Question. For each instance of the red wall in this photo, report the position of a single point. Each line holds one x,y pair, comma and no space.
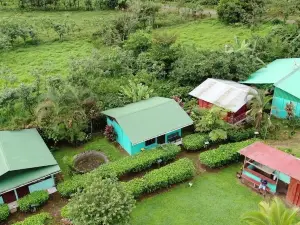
231,117
293,194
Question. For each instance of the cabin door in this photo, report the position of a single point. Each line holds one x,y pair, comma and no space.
22,191
296,200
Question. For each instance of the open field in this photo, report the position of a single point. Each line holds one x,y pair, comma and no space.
215,198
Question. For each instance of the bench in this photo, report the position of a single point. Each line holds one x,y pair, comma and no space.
254,182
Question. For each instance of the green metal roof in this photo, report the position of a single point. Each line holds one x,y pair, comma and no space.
150,118
15,179
290,84
25,149
274,71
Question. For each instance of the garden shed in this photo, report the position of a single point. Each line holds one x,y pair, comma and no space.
284,75
148,123
229,95
280,169
26,164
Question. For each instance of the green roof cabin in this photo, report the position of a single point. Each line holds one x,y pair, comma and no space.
284,74
148,123
26,165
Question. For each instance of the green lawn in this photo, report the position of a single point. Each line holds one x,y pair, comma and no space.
214,199
99,143
210,33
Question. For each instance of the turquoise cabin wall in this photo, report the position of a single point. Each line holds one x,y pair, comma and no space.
283,177
172,132
43,185
278,107
122,138
1,200
271,186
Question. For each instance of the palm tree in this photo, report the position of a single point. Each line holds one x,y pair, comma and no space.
258,103
273,213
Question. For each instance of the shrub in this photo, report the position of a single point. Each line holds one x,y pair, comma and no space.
4,212
230,11
194,142
110,133
102,202
136,163
38,219
35,199
176,172
235,135
65,212
224,154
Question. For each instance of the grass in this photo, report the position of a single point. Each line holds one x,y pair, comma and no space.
99,143
211,34
214,198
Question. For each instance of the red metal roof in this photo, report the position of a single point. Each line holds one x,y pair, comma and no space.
273,158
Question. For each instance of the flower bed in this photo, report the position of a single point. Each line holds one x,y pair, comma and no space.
38,219
194,142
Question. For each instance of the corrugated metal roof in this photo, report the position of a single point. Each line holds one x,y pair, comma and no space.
23,149
19,178
150,118
274,71
223,93
273,158
290,83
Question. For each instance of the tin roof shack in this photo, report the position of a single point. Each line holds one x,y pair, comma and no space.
226,94
148,123
281,170
26,164
284,75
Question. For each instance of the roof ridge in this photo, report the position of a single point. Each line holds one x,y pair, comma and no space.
130,113
240,89
3,155
287,76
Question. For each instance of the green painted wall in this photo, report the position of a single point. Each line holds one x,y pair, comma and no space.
271,186
1,200
283,177
43,185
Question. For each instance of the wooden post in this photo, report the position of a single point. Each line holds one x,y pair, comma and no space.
16,194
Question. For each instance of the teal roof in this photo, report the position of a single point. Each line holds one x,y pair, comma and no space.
15,179
290,83
22,150
274,71
150,118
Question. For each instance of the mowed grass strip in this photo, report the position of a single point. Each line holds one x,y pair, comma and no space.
215,198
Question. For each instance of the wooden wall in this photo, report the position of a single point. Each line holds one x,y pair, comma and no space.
293,194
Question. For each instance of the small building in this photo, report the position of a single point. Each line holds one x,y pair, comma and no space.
148,123
284,75
281,170
230,95
26,164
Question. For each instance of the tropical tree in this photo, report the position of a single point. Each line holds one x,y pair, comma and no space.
134,92
258,104
273,213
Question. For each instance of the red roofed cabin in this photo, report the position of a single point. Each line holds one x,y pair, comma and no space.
226,94
281,170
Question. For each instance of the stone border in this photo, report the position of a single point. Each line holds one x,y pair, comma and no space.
88,153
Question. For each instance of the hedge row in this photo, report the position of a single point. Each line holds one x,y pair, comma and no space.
33,200
235,135
176,172
224,154
121,167
38,219
194,142
4,212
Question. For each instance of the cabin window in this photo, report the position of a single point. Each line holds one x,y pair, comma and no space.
150,142
174,137
161,139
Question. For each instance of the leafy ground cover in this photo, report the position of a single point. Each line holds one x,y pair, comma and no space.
99,143
215,198
211,34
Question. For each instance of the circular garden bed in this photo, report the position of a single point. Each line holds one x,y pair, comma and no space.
89,160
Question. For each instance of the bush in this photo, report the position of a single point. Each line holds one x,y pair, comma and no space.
194,142
224,154
230,11
136,163
38,219
4,212
235,135
176,172
65,212
35,199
